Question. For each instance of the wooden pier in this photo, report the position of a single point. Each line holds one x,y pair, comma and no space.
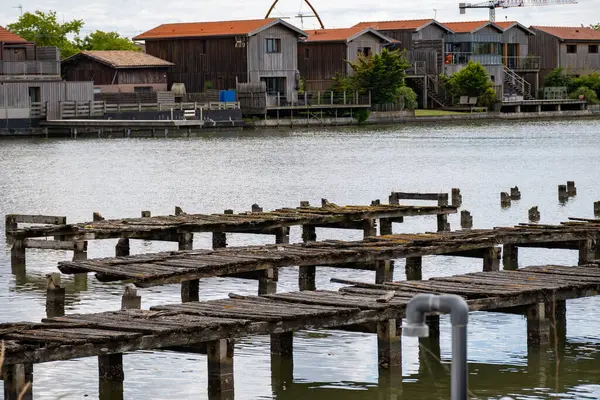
539,293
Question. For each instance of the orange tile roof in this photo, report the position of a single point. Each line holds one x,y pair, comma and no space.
570,32
200,29
333,35
505,24
8,37
410,24
466,26
126,58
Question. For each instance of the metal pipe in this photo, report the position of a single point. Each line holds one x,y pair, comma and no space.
458,309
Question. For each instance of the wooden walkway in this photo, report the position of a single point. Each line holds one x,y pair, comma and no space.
537,292
371,253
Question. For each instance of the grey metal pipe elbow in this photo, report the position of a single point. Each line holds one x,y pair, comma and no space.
426,303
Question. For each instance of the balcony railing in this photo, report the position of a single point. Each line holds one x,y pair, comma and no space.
30,68
522,63
460,58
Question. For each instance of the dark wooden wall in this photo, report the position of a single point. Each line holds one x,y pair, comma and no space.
86,69
546,46
214,59
325,60
405,37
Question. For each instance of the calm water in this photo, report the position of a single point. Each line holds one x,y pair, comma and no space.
280,168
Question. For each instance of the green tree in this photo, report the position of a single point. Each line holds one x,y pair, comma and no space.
558,77
473,81
45,30
588,94
100,40
595,26
591,81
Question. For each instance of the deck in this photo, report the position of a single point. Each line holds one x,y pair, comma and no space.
537,292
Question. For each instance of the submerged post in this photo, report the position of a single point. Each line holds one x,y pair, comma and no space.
416,311
515,193
491,259
307,274
510,257
466,219
562,194
571,189
414,268
534,214
504,200
597,209
456,197
55,296
130,298
122,248
18,378
96,216
220,367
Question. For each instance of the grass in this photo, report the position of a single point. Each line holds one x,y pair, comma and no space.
27,385
435,113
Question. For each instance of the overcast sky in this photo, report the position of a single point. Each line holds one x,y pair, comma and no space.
132,17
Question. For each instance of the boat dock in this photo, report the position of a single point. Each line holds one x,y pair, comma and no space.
539,293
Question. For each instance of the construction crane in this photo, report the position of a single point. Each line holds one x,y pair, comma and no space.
493,4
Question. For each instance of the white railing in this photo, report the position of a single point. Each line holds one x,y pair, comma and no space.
512,78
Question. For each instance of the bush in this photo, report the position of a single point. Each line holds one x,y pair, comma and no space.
558,77
473,81
362,115
409,96
591,81
588,94
488,98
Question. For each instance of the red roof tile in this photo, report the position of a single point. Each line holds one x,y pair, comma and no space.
9,37
466,26
200,29
411,24
333,35
570,32
125,58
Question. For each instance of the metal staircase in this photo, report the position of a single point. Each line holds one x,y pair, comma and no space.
517,84
432,86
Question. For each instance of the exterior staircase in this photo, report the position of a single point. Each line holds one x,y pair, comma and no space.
432,93
516,84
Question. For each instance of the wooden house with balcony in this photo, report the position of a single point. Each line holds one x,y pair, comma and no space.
221,54
576,49
30,83
325,53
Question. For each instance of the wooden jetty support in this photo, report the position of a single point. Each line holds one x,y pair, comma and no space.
539,293
372,253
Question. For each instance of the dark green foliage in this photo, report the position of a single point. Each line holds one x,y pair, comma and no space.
558,77
588,94
362,115
473,81
100,40
410,97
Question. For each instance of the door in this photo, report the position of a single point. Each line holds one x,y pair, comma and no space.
34,95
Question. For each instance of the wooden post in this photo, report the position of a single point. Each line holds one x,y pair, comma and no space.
219,240
586,251
80,250
309,233
190,291
17,255
384,271
491,259
282,235
385,226
556,314
111,376
282,344
389,347
504,200
369,228
510,257
97,217
220,367
562,193
537,325
18,377
442,223
130,299
307,274
146,214
256,208
178,211
429,348
122,248
267,282
186,241
414,268
282,372
55,296
571,189
393,199
515,193
534,214
466,220
456,197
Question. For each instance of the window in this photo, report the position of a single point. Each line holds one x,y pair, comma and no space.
273,45
141,89
203,47
364,51
307,53
593,49
275,85
34,94
571,48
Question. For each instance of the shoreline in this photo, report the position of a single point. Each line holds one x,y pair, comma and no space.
375,118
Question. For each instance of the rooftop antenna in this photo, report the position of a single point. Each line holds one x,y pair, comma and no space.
302,16
20,7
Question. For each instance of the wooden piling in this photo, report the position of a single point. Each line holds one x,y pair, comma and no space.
510,257
597,209
556,314
442,223
571,189
282,235
130,299
369,228
466,220
80,250
146,214
219,240
18,378
17,254
282,373
534,214
414,268
55,296
307,277
504,200
586,251
309,233
385,226
456,197
389,347
220,367
267,282
110,376
429,347
190,290
491,259
178,211
515,193
256,208
537,325
186,241
282,344
384,271
562,193
96,216
122,248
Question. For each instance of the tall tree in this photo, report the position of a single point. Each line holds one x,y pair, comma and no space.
45,30
100,40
